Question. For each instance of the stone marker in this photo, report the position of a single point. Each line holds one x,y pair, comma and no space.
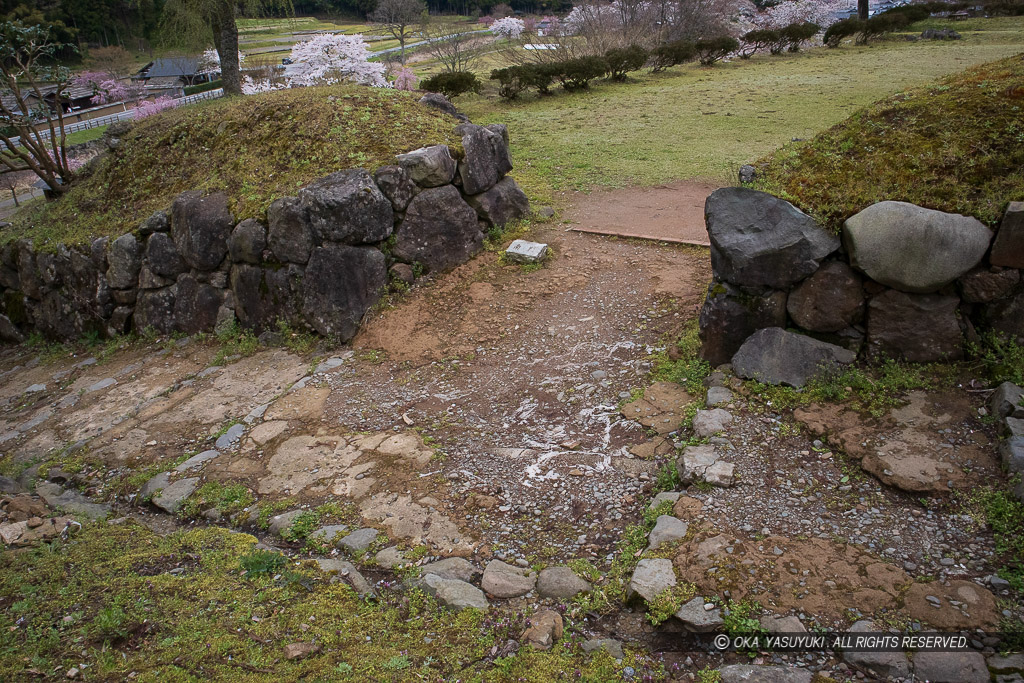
522,251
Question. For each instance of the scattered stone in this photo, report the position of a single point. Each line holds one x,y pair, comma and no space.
777,356
329,534
452,592
707,423
666,530
951,667
505,581
609,645
651,577
346,571
913,249
879,664
73,673
160,481
790,624
23,533
521,251
697,619
300,650
718,396
359,540
229,438
704,463
1011,452
560,583
671,496
753,673
71,501
452,568
171,497
197,460
35,388
389,558
280,524
747,174
544,630
758,240
328,365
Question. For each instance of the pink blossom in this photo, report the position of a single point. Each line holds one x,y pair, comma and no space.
154,107
405,79
331,58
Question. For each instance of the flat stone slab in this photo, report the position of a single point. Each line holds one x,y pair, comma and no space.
951,667
505,581
609,645
561,583
102,384
707,423
71,501
521,251
651,577
752,673
327,534
196,460
229,438
346,571
452,568
172,497
776,356
453,593
359,540
666,529
704,463
669,496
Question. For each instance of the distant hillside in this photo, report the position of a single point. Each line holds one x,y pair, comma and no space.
956,146
256,148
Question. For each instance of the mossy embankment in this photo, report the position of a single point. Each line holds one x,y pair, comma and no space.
254,148
956,145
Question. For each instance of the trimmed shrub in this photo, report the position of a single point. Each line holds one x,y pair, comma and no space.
881,24
758,40
451,84
713,49
541,76
576,74
511,81
671,54
203,87
841,30
795,34
623,60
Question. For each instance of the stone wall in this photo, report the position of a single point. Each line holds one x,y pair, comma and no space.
901,281
319,260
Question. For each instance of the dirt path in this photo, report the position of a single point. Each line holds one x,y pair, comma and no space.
667,213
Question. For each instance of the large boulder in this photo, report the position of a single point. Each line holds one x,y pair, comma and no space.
439,230
162,256
730,315
505,581
829,301
347,207
196,305
265,295
289,236
758,240
124,258
917,327
501,204
429,166
1008,248
200,227
913,249
776,356
340,285
159,221
247,242
154,309
29,281
487,158
438,101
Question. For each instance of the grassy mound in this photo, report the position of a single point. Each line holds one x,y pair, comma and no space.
955,146
255,148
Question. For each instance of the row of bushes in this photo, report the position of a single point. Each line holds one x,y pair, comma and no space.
865,30
576,74
778,40
203,87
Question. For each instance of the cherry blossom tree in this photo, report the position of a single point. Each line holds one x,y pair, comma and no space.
405,79
508,27
820,12
106,88
154,107
331,58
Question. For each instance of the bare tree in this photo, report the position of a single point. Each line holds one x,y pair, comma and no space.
25,52
113,60
12,180
399,18
452,45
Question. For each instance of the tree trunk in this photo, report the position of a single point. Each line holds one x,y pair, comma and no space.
227,49
862,10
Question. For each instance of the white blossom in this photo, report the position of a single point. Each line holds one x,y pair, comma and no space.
330,58
508,27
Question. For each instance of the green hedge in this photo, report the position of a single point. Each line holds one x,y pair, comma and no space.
203,87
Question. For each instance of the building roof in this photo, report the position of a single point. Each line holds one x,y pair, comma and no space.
172,66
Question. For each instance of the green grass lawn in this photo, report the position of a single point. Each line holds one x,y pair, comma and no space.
704,122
